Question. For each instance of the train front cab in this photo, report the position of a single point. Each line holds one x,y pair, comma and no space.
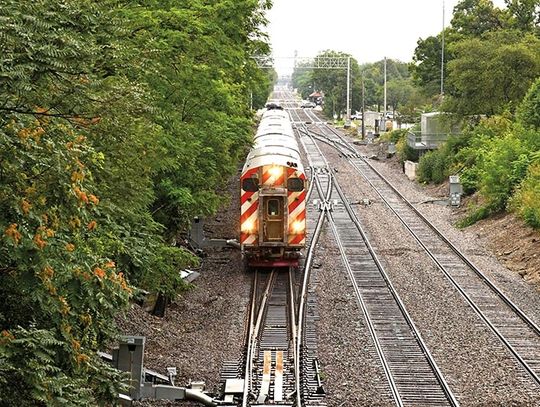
274,232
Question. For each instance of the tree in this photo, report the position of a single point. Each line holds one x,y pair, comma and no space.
399,92
525,15
426,66
472,18
491,74
118,120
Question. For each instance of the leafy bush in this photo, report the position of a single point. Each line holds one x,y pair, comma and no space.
406,152
433,166
528,113
526,202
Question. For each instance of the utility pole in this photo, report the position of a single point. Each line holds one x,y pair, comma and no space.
363,108
384,109
348,87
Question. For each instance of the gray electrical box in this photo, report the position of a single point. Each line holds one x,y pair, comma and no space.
129,358
456,190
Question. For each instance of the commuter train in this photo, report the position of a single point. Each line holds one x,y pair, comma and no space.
273,195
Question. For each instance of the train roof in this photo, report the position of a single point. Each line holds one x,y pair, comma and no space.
274,142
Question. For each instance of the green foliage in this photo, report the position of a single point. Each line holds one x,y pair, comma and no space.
499,161
119,123
404,151
480,29
528,113
426,65
333,82
30,372
526,201
492,73
476,214
433,166
394,136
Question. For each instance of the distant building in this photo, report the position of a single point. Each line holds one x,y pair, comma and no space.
317,98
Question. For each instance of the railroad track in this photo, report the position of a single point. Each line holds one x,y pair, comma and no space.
280,365
269,371
412,374
519,334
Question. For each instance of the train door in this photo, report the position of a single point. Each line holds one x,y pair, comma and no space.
273,219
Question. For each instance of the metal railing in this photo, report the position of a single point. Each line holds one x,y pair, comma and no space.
427,141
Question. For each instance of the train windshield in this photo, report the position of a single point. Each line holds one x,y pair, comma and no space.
295,184
250,184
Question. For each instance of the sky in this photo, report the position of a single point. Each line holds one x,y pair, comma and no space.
369,30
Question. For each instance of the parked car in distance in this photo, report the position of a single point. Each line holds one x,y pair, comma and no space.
356,116
307,103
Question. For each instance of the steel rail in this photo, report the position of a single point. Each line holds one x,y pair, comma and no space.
305,282
373,331
463,293
253,333
483,278
247,372
444,385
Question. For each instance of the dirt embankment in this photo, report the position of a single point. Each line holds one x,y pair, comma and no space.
515,244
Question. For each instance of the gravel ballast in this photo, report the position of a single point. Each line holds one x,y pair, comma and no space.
205,326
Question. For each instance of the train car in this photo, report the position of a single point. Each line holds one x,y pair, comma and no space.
273,195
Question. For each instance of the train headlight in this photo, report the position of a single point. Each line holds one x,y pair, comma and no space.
275,171
297,227
248,226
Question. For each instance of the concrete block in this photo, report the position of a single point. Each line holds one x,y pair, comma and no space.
410,169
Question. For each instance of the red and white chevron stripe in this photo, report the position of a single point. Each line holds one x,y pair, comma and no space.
296,202
249,202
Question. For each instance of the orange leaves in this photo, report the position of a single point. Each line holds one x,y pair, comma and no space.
41,235
86,319
12,232
91,225
99,273
6,337
75,344
64,306
83,197
25,206
94,199
39,242
80,195
82,358
77,176
74,222
86,122
70,247
25,133
121,281
47,272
